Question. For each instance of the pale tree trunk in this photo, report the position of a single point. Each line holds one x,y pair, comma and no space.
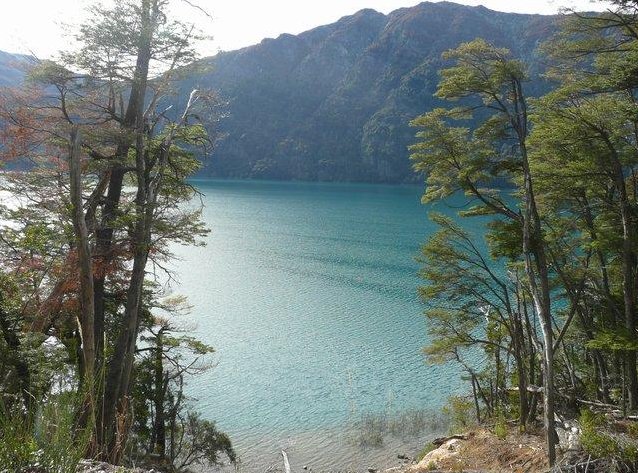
86,319
536,268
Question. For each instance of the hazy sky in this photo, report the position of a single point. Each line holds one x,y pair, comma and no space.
35,25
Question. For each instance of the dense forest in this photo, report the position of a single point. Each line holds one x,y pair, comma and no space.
333,103
93,361
552,304
93,358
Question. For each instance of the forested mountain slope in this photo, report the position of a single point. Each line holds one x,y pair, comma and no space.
334,103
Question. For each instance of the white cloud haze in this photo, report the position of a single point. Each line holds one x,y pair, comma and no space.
36,25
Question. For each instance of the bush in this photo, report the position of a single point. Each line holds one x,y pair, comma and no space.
46,442
459,410
600,442
500,426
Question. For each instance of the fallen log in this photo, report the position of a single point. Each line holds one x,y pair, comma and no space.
441,440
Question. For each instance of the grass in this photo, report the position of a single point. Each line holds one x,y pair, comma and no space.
46,442
427,449
371,429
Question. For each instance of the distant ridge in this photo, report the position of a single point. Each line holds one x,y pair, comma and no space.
11,68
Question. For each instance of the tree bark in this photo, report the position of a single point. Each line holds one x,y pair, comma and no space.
628,271
116,385
87,308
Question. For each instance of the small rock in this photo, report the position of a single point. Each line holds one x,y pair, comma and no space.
401,456
372,470
305,467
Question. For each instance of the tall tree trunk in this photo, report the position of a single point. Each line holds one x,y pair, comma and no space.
87,308
161,385
519,356
116,385
536,267
628,273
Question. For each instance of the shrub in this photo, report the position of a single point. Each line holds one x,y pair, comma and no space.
48,442
599,442
500,426
459,410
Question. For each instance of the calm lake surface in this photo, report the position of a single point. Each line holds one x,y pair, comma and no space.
308,293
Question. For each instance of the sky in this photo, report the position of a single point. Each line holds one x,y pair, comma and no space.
36,26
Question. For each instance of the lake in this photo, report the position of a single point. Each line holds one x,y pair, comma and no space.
308,292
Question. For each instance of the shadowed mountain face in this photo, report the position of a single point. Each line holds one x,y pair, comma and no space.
334,103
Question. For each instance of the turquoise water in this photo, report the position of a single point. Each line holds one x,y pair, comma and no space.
308,293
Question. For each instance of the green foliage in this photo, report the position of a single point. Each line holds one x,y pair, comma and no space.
617,340
479,68
500,426
49,441
203,442
476,297
459,411
600,442
166,429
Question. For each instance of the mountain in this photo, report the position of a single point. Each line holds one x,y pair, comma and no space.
334,103
12,68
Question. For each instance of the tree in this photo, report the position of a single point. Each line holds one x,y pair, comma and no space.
470,304
98,123
598,94
489,81
165,427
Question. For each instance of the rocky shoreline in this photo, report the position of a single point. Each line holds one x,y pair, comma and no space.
91,466
478,451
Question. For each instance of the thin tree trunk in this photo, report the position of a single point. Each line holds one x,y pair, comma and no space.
628,271
116,386
23,373
161,385
536,267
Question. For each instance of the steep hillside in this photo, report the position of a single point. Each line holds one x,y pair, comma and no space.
333,103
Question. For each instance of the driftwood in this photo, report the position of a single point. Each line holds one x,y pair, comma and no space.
286,462
597,404
582,466
609,408
441,440
530,389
